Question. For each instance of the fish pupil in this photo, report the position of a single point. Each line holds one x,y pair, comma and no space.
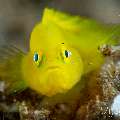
66,53
36,57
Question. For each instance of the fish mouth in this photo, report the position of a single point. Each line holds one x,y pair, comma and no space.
53,68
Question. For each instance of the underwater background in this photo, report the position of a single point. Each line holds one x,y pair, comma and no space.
17,19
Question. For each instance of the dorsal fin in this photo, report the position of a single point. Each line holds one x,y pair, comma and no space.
63,20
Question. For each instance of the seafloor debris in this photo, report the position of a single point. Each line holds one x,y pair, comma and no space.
115,107
28,112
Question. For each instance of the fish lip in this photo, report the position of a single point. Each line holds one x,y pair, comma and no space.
53,67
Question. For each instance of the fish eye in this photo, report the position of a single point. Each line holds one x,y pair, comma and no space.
36,57
67,53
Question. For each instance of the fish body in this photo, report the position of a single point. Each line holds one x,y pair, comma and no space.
63,48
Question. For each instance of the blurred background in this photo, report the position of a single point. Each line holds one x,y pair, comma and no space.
18,17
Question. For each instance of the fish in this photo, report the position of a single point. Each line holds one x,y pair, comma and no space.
62,49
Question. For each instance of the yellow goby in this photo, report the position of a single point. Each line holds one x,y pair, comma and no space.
62,49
